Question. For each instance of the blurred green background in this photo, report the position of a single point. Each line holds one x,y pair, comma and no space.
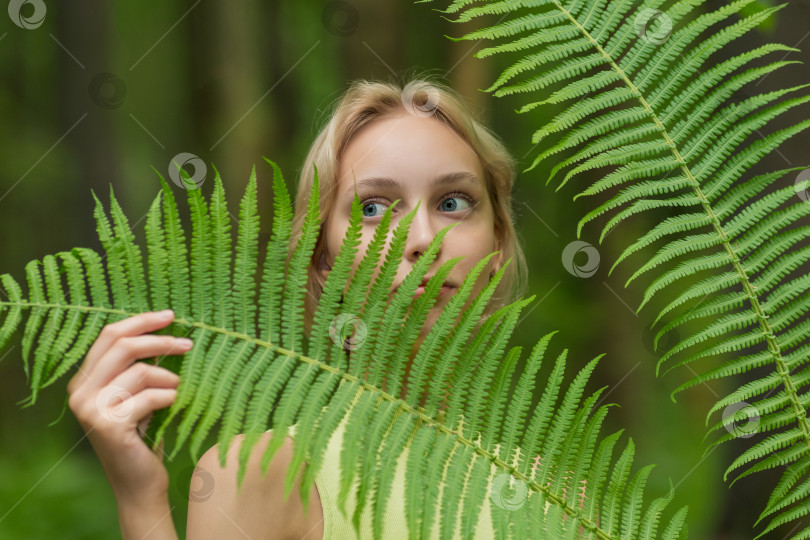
101,92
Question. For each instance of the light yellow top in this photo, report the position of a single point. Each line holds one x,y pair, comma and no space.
338,526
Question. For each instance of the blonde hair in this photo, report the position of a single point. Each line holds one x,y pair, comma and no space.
366,101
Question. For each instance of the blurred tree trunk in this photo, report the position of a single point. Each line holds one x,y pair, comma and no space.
470,75
376,49
232,105
83,29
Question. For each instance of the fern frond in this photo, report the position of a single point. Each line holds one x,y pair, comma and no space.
461,435
643,103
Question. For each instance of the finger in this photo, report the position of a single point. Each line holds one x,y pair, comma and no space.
127,350
117,406
142,375
143,425
131,326
151,399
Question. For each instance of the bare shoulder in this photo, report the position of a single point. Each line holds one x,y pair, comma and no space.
258,510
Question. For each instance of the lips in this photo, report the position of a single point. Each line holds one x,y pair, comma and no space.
445,289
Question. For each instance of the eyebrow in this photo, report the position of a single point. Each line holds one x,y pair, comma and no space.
383,181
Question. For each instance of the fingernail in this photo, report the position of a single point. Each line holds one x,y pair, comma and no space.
185,343
165,314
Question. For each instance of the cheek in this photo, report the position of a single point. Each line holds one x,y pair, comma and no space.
362,248
365,240
474,243
474,249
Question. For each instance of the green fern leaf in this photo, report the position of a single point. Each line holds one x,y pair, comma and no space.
673,139
454,429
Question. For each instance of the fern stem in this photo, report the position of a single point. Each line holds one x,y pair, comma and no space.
426,419
767,331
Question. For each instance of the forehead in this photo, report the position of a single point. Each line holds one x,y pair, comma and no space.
406,146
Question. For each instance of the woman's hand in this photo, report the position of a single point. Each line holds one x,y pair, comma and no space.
113,398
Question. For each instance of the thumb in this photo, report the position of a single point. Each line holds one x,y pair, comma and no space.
143,425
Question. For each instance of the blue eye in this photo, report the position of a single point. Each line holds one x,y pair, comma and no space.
453,206
366,206
449,204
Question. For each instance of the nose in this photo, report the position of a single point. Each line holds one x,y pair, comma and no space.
421,233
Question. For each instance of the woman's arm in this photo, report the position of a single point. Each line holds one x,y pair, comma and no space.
113,396
259,510
147,520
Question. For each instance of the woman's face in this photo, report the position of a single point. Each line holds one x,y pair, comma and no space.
417,158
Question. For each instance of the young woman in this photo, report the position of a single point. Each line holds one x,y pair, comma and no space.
418,144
